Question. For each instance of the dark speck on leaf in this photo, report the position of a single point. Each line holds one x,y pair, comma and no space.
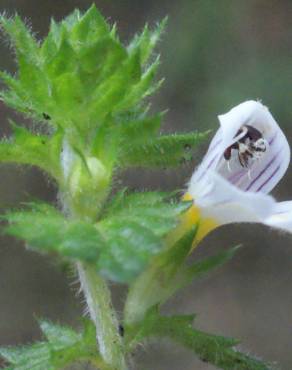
46,116
121,330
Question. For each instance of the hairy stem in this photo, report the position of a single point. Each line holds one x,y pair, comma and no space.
102,313
85,198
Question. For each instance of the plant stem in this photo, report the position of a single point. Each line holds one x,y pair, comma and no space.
98,299
86,196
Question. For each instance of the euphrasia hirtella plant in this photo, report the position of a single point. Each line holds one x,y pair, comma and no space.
87,94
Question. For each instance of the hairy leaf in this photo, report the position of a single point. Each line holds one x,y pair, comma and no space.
82,80
164,151
214,349
27,148
130,246
147,40
120,245
88,86
139,131
156,211
134,226
45,229
63,347
80,74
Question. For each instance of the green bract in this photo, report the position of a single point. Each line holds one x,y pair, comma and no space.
87,91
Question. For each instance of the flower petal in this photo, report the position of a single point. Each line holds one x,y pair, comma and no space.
223,202
263,173
281,217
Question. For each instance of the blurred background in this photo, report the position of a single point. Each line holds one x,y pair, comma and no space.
215,54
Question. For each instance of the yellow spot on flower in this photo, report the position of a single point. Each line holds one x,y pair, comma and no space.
193,217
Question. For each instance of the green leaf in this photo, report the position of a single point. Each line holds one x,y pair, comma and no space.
65,61
137,132
216,350
17,96
63,347
137,223
110,93
109,53
90,27
85,80
45,229
31,78
164,151
155,211
143,88
58,334
32,149
123,199
120,245
34,357
147,40
80,73
13,84
130,246
25,44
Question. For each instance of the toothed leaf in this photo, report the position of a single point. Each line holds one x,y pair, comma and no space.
120,245
153,210
164,151
147,40
32,149
214,349
138,131
45,229
130,247
81,75
63,347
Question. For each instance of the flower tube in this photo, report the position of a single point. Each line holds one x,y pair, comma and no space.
246,159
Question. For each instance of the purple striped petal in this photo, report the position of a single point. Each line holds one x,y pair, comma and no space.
262,174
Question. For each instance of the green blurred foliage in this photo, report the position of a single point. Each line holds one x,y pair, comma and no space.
224,52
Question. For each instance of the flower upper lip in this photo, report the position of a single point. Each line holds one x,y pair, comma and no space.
259,176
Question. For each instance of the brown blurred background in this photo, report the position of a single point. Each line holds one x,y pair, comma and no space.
215,54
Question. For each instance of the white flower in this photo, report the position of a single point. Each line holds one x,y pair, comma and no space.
246,159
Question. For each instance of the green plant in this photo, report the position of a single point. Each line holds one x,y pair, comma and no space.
87,95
